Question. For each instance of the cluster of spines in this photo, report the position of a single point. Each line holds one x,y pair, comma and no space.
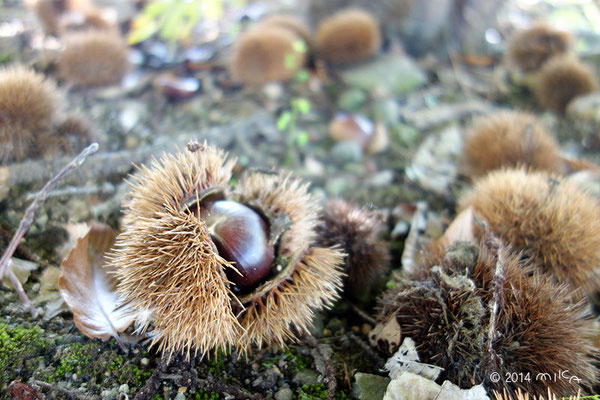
28,107
168,265
446,307
508,139
548,217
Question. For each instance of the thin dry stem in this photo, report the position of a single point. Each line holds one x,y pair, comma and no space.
411,243
497,296
27,220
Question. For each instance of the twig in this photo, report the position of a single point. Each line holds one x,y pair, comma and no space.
66,392
109,164
367,349
28,220
361,313
27,305
22,250
105,188
324,365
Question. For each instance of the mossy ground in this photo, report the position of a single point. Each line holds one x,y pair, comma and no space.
21,351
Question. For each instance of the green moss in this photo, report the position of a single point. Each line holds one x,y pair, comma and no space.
75,360
96,363
202,395
21,349
311,392
316,392
217,363
299,362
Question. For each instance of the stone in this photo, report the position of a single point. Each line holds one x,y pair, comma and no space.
352,99
585,108
265,380
388,74
346,152
409,386
22,269
284,394
369,386
306,377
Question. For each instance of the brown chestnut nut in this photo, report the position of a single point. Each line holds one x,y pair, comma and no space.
186,231
242,237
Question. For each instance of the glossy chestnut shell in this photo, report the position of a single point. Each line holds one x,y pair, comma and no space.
242,237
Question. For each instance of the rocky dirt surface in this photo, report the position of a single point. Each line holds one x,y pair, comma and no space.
417,111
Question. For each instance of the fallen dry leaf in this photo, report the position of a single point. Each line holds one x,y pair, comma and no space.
406,359
89,290
462,228
386,334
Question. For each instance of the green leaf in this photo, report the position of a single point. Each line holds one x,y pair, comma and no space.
299,46
302,105
211,9
302,138
171,22
143,28
155,9
284,120
290,61
302,76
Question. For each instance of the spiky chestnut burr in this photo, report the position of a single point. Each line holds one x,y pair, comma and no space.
561,80
48,13
530,48
447,306
290,23
94,58
359,233
347,37
28,104
545,395
179,263
60,16
72,134
509,139
266,53
551,219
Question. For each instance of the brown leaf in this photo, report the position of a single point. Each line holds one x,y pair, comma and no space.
89,290
386,334
461,228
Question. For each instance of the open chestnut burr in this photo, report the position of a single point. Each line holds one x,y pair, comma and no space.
211,266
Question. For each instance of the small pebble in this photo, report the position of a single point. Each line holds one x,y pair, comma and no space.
284,394
365,329
381,178
306,377
124,388
346,152
144,361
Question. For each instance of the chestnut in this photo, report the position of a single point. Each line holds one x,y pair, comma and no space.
242,237
211,266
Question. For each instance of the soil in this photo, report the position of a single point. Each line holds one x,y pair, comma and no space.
419,126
